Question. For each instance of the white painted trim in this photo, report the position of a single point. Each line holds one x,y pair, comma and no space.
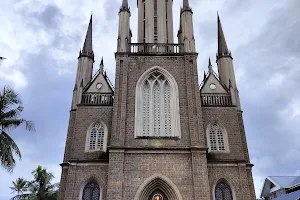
87,140
174,101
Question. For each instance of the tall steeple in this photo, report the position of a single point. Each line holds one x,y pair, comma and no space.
87,49
222,45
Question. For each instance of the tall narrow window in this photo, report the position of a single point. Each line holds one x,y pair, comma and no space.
91,191
223,191
217,138
157,102
96,138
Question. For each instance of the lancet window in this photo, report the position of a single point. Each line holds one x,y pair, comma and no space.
96,137
217,138
157,109
91,191
223,191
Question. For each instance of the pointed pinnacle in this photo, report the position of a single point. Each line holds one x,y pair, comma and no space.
222,46
101,66
125,4
88,45
186,4
210,66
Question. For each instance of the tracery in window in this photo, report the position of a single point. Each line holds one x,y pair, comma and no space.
223,191
96,138
217,138
157,106
91,191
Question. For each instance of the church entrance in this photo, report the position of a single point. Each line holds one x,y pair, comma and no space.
157,195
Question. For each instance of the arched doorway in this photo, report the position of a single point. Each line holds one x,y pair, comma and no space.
158,187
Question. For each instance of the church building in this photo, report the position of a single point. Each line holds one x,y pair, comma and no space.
157,133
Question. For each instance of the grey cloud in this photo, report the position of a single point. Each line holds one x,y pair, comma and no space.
49,18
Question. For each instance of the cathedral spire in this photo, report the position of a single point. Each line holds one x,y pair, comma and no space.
125,6
222,45
88,43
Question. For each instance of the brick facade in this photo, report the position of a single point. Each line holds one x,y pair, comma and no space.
132,168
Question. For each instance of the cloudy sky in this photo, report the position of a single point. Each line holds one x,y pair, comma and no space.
41,40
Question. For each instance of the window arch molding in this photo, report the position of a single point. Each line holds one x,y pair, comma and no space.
88,136
174,103
217,140
228,182
88,181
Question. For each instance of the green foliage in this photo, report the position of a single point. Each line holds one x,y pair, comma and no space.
10,111
40,188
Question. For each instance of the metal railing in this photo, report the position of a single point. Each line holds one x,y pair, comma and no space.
216,100
155,48
97,99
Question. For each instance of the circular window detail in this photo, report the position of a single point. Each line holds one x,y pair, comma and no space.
99,86
212,86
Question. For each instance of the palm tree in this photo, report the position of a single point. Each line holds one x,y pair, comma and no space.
40,188
19,186
10,110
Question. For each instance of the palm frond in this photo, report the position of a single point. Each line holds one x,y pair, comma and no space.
8,97
9,124
8,148
11,114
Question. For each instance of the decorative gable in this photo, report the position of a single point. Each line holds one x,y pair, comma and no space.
211,84
99,84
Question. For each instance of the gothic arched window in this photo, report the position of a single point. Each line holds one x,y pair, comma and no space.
217,138
223,191
157,106
96,137
91,191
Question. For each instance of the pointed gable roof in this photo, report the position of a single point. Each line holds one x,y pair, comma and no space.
87,49
102,78
212,78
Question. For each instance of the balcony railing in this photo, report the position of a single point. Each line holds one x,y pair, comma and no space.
155,48
97,99
216,100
